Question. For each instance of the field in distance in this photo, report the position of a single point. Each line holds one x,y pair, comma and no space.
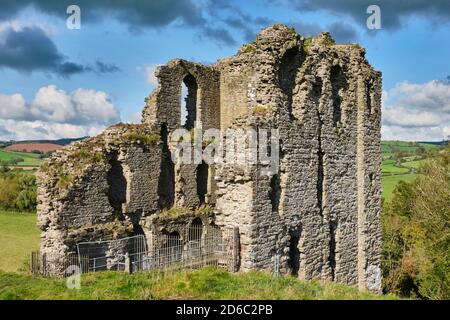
401,160
33,147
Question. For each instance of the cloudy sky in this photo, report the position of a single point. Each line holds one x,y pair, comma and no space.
56,82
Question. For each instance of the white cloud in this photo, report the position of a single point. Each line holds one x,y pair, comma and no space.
18,25
135,117
54,114
12,107
94,105
37,130
149,71
52,104
417,111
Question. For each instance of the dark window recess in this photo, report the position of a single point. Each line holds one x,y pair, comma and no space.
338,82
316,92
196,230
294,254
166,181
189,102
117,191
202,181
287,72
320,176
368,97
275,192
175,247
332,255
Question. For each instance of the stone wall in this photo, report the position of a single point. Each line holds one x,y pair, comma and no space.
318,217
77,198
163,107
326,104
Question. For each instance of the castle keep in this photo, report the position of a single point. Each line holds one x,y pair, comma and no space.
317,217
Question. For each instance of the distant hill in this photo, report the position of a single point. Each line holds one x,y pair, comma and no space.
61,142
33,147
436,143
390,147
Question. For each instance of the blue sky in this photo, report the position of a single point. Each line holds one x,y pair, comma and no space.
56,82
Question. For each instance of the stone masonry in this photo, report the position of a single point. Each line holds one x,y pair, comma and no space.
317,217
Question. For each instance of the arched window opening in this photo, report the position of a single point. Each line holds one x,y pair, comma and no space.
196,230
338,83
287,72
202,181
117,183
189,90
174,247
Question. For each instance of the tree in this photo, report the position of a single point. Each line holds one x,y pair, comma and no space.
26,199
416,223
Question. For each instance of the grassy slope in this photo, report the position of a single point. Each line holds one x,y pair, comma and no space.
207,283
389,167
30,159
19,236
389,183
403,146
414,164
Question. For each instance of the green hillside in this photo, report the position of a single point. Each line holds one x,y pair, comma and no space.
401,161
29,159
19,235
389,147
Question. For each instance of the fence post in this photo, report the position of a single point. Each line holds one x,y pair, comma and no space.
44,264
127,263
233,250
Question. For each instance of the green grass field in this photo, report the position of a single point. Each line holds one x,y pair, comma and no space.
30,159
19,236
393,173
208,283
389,167
389,183
414,164
390,147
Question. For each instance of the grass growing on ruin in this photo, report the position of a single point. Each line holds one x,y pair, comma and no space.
19,235
147,138
178,212
248,48
208,283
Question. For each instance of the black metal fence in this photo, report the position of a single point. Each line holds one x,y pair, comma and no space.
202,246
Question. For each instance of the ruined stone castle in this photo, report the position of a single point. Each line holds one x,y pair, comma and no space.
317,217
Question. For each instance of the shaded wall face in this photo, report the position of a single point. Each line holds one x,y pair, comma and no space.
179,185
104,200
322,209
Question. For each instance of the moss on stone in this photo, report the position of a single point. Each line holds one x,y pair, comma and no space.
147,138
262,110
174,213
65,180
248,48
